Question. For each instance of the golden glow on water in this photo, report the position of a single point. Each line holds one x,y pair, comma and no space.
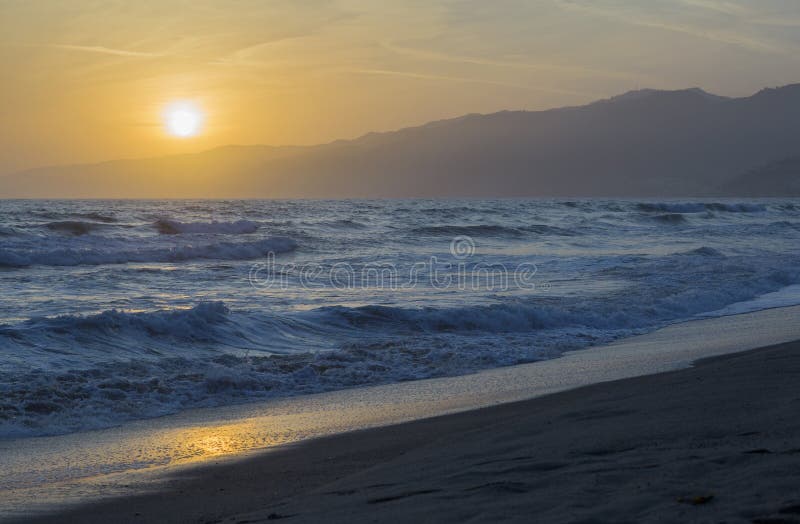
212,445
197,443
204,442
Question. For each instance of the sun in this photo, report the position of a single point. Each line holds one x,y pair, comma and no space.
183,119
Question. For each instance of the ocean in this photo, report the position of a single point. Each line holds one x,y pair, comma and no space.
122,310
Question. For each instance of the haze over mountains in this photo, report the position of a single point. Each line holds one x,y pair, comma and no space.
643,143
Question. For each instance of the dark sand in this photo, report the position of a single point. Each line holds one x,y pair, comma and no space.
716,443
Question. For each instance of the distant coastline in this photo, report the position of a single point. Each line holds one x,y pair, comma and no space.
647,143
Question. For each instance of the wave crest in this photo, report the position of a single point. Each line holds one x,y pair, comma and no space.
699,207
97,256
670,218
185,324
74,227
492,230
167,226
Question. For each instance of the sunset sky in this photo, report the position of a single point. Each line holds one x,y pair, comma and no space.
90,80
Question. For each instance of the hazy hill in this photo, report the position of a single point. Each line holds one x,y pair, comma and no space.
643,143
776,179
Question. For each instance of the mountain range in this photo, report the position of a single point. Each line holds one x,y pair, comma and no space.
643,143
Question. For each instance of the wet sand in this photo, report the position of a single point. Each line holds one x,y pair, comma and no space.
719,442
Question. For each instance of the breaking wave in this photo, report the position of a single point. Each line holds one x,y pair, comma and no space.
74,227
183,324
489,230
476,230
183,253
670,218
699,207
95,346
124,365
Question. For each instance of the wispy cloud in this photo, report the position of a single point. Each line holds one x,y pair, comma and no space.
775,21
243,57
425,54
446,78
633,17
95,49
728,8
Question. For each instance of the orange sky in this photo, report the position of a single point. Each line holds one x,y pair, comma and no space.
87,80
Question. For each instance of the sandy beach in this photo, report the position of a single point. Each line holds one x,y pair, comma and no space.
714,443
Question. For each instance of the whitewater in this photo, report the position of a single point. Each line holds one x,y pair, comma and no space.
121,310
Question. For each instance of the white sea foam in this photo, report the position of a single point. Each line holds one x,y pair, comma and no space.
117,320
101,369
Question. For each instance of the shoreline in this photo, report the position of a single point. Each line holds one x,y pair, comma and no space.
87,468
714,441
